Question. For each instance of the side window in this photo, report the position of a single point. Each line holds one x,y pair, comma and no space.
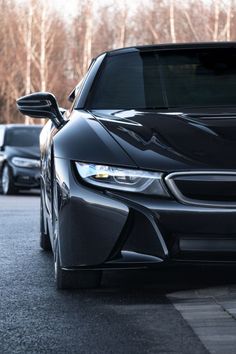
79,88
2,131
75,93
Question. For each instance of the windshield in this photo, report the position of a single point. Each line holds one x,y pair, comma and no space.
23,137
170,78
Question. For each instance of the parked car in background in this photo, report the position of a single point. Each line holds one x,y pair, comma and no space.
141,171
19,157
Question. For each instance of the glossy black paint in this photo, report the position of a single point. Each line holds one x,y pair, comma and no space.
84,136
101,220
168,141
106,229
24,178
40,105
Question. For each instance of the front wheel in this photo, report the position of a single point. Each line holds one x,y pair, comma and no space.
75,279
7,182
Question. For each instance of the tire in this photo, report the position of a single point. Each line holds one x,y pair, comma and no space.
7,182
70,279
45,242
75,279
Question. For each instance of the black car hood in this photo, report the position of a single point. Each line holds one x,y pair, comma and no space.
170,140
28,152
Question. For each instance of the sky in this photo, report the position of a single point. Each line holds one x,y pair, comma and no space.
67,7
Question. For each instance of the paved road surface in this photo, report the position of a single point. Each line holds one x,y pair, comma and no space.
181,311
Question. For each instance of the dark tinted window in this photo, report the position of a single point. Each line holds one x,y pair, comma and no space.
205,78
23,136
166,79
128,80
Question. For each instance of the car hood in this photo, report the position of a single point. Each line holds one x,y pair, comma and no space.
171,140
32,152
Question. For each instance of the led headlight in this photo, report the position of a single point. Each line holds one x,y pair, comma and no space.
25,162
137,181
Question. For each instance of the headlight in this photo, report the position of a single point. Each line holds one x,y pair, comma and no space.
122,179
24,162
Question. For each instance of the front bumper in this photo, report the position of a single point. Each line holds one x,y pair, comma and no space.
26,177
115,230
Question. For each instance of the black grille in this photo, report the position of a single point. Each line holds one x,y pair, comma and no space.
202,187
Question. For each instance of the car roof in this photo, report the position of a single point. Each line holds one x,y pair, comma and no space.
171,46
21,126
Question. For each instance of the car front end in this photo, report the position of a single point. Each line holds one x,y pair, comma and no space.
20,164
150,205
108,228
141,172
26,171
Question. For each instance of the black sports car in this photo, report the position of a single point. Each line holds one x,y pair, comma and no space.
141,170
19,157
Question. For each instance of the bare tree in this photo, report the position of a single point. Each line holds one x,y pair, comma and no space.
216,20
122,28
172,21
28,41
87,54
191,25
43,33
228,21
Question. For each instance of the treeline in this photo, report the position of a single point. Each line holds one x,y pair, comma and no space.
43,50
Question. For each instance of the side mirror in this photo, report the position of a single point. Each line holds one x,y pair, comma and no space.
41,105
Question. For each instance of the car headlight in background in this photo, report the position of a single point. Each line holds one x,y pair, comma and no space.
25,162
137,181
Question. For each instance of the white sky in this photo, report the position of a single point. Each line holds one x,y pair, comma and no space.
68,6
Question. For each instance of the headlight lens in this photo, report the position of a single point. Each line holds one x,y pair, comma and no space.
122,179
24,162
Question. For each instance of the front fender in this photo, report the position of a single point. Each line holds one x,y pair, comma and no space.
84,139
90,222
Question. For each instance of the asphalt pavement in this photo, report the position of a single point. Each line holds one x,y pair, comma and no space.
184,310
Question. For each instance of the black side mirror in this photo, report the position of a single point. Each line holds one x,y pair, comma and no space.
41,105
